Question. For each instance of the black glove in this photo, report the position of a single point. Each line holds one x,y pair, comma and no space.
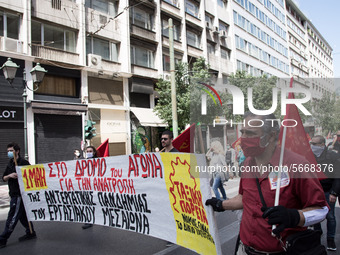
215,203
282,216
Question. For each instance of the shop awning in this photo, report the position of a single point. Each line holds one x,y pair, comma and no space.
147,117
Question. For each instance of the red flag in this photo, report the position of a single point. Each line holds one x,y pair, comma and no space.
296,139
184,141
236,144
103,149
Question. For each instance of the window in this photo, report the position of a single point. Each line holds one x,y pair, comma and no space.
142,57
166,62
105,6
225,53
176,29
211,48
141,18
108,50
57,85
193,39
172,2
52,36
192,8
220,3
12,22
223,27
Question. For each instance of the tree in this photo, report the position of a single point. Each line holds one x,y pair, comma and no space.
326,113
261,89
188,90
163,108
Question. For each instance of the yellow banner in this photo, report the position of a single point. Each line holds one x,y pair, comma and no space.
34,177
186,202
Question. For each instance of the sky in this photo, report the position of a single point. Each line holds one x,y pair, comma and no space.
325,16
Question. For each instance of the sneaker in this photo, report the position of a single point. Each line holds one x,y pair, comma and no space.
27,237
87,225
331,244
3,243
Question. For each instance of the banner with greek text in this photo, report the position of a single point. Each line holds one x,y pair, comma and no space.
156,194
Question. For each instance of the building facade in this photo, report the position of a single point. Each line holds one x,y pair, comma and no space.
104,58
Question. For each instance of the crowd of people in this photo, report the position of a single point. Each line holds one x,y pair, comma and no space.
304,202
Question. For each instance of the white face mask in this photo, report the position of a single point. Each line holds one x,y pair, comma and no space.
89,155
77,154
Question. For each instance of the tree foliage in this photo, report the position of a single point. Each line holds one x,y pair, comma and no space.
326,113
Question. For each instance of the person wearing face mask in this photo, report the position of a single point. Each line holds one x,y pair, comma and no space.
91,152
302,201
17,210
331,185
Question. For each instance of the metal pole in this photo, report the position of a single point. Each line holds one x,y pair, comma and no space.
24,96
173,84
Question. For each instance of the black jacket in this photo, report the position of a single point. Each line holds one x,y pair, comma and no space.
13,184
332,159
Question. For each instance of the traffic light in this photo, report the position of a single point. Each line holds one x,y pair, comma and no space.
90,130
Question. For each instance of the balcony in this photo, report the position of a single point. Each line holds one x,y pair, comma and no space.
143,33
144,71
172,9
177,44
54,54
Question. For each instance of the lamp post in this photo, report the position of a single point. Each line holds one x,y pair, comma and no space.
9,69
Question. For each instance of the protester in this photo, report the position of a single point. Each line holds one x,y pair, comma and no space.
166,141
230,159
335,145
77,154
218,166
17,210
91,152
328,159
302,201
241,158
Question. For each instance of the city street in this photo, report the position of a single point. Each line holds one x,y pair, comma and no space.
69,238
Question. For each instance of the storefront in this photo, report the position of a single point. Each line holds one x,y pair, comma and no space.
146,130
11,130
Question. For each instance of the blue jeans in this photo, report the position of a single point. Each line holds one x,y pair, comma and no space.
331,220
219,185
16,212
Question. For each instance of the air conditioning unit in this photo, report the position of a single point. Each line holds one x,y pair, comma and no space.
216,30
207,25
223,34
13,45
94,61
102,19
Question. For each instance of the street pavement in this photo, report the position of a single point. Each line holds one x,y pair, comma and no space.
56,238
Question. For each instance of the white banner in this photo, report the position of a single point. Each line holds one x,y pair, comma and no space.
156,194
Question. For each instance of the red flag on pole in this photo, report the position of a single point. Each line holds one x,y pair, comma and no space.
103,149
184,141
296,137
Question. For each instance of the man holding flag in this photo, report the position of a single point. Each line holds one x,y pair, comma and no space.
302,201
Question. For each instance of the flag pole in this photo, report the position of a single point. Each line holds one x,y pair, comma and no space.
283,142
16,164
